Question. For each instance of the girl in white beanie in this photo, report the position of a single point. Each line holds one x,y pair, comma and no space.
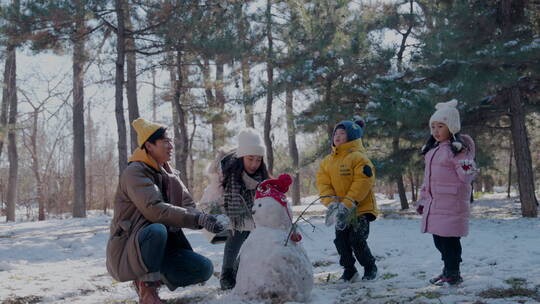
446,191
241,172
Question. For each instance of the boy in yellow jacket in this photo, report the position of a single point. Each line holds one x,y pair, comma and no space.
348,175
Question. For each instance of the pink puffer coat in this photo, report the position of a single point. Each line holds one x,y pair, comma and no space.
447,188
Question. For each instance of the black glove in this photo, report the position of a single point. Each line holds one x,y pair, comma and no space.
210,223
330,217
342,216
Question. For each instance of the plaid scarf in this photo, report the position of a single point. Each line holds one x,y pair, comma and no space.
239,196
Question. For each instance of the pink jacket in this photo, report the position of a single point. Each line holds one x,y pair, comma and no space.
447,188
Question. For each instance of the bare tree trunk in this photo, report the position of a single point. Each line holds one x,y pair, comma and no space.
36,164
218,121
413,186
245,66
192,162
248,100
183,140
105,195
269,94
395,141
131,85
510,172
398,177
522,154
154,95
79,172
293,149
13,157
209,97
330,123
119,89
5,105
90,135
176,128
417,184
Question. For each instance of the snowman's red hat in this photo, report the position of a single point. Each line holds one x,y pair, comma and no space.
276,189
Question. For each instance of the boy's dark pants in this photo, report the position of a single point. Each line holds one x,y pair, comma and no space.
450,249
353,240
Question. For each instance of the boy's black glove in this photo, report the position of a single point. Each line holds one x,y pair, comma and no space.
342,216
337,213
210,223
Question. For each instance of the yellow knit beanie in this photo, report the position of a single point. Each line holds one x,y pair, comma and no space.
144,129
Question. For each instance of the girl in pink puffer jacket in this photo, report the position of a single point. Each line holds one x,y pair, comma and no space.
446,192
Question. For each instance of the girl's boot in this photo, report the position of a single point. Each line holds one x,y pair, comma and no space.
227,279
436,280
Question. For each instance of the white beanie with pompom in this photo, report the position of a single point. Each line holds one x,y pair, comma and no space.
447,113
250,143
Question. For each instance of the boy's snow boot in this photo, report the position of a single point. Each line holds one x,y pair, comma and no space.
451,278
370,272
227,279
436,280
148,292
350,274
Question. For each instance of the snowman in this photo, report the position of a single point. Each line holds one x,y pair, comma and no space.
273,263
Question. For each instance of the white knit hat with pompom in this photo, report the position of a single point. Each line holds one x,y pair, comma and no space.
250,143
447,114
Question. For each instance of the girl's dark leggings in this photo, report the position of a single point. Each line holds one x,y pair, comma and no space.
450,249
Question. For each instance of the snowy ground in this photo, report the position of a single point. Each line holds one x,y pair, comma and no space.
62,261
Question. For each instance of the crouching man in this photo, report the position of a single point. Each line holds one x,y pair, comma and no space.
146,244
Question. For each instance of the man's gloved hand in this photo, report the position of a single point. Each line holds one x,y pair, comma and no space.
330,217
210,223
420,209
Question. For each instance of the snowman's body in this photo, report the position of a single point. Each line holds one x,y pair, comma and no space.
268,268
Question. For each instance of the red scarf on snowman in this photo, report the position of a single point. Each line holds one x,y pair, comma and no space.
276,189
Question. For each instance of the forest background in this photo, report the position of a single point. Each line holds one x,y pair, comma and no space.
75,73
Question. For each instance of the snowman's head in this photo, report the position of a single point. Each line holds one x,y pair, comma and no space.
268,212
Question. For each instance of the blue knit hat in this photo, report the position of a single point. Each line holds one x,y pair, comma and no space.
354,130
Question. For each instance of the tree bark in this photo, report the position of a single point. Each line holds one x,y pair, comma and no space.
79,172
191,161
182,142
330,124
269,94
413,186
218,119
209,98
5,105
176,128
119,89
398,177
522,154
154,95
248,100
245,67
131,85
36,165
510,172
293,148
13,157
91,137
105,196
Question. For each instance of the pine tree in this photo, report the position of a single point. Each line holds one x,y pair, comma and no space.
485,54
